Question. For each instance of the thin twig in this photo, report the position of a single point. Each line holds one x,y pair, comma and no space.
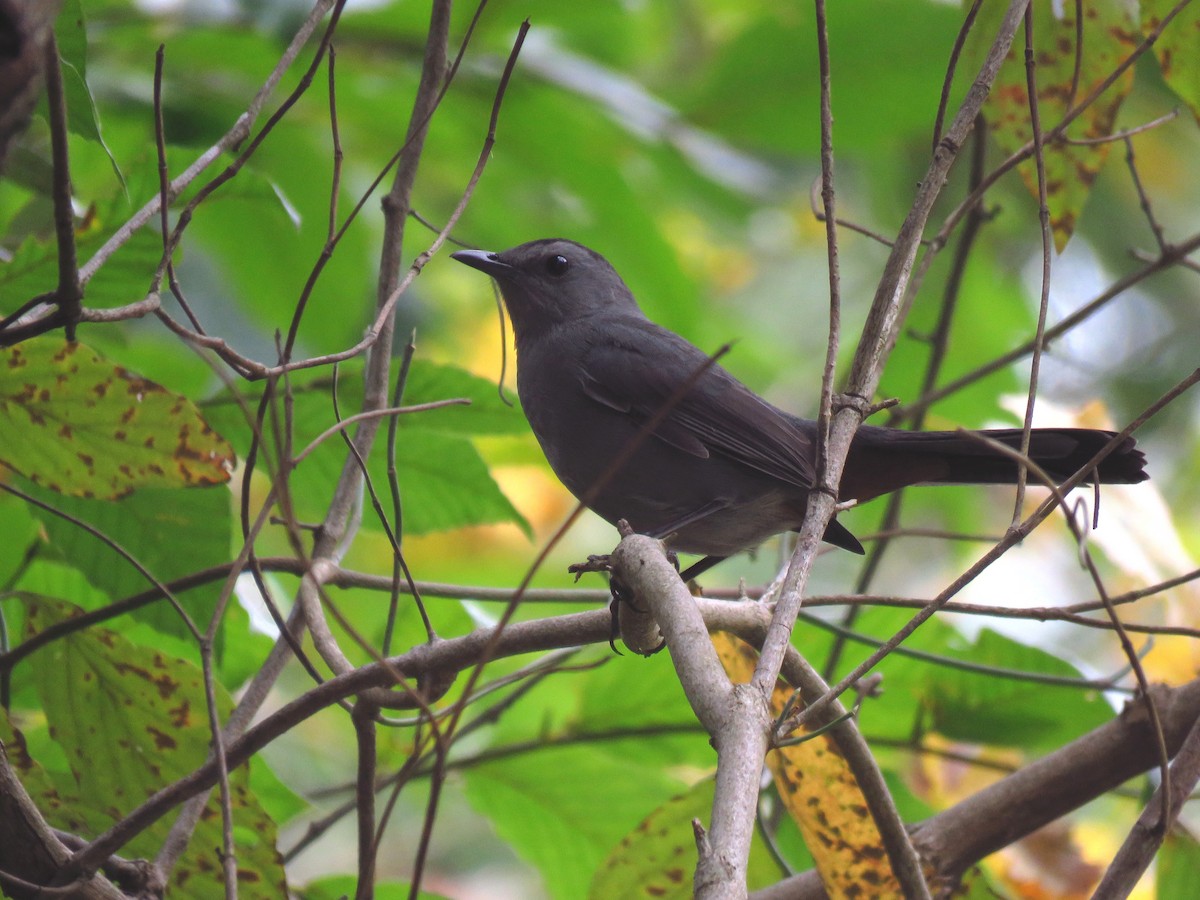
1143,198
1124,133
164,196
69,293
960,41
1039,335
399,563
228,141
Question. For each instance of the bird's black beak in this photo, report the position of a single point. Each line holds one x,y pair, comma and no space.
483,260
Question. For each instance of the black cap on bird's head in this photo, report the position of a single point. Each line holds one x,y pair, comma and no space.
552,280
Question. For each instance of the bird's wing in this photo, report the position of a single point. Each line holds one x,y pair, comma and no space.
640,368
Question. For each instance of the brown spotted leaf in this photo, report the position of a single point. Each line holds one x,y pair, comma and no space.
55,795
130,720
1178,48
1109,34
74,422
656,859
823,798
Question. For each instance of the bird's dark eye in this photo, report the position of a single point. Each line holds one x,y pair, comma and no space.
557,265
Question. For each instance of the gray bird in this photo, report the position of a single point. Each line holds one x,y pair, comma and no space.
724,469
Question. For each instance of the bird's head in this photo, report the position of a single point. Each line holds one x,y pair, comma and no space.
553,280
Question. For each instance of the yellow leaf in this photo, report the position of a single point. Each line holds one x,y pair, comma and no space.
820,793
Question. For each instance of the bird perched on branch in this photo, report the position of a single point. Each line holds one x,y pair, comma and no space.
721,468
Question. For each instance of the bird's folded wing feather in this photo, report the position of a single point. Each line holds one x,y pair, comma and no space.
635,372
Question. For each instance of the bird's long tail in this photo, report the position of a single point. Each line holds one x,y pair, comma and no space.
884,459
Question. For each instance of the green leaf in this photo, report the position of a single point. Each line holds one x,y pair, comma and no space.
486,413
658,857
982,706
446,484
80,425
130,720
567,824
336,887
123,279
1108,35
1178,48
1178,866
150,523
20,534
83,118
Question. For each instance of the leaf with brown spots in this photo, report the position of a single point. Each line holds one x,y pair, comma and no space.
819,791
74,422
656,859
130,720
1109,34
1178,49
55,793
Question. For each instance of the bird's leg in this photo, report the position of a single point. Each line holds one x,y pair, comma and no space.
621,594
603,563
640,627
